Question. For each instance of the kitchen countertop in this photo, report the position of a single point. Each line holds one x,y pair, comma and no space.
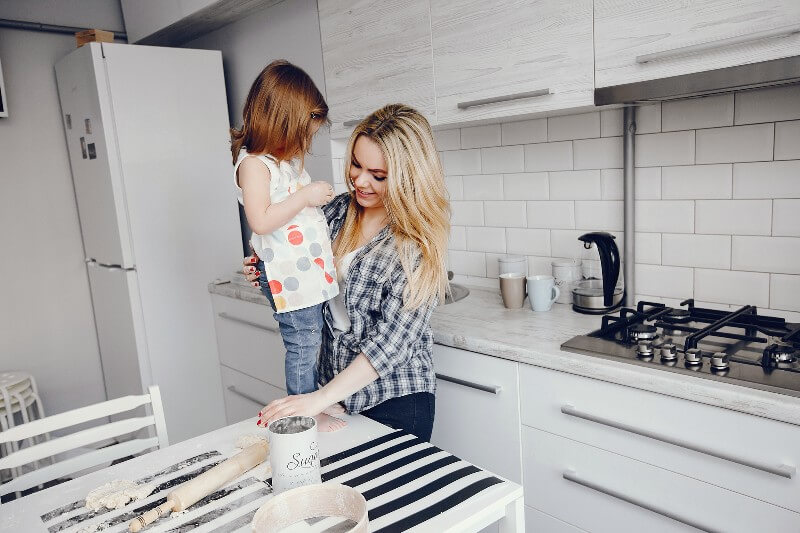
479,323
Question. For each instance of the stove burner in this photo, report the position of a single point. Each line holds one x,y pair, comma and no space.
780,353
693,357
669,352
678,316
640,332
719,361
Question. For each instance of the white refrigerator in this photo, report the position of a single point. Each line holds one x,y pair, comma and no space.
147,134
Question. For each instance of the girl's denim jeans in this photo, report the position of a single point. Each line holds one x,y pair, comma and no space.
301,331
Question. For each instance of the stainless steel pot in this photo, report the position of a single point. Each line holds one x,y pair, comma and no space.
588,297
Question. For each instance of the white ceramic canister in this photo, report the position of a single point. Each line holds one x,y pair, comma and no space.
512,264
566,272
293,452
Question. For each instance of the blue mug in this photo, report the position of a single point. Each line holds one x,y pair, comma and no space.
542,292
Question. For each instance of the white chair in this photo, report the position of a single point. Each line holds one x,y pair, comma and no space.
154,423
18,395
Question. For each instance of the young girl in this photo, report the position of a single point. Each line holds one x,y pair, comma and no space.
283,111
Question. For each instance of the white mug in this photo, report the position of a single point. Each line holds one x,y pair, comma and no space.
542,292
293,452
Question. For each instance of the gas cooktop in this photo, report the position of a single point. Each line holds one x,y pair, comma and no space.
740,347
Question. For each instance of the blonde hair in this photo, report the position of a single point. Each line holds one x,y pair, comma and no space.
416,200
281,107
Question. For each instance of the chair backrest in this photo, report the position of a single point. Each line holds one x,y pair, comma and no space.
82,438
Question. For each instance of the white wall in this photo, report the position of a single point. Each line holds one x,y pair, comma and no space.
46,319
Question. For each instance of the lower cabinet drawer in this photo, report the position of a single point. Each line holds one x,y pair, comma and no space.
601,491
741,452
245,396
249,340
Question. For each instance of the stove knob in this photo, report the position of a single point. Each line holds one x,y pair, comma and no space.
719,361
693,357
644,349
669,352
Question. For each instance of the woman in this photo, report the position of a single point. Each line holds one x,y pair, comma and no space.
390,236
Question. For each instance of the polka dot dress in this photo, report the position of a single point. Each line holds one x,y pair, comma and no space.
297,257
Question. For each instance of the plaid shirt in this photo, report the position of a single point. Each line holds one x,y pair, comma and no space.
398,343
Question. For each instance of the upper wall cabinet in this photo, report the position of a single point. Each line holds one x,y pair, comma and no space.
375,52
499,58
649,39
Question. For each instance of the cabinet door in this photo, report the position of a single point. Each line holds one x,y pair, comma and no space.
477,410
245,396
496,49
375,52
718,33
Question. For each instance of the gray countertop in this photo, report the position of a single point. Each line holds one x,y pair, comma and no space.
479,323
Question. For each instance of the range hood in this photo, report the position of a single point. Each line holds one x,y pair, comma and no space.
762,74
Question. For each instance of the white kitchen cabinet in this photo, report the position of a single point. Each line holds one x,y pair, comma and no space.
637,40
375,52
245,395
499,49
477,410
601,491
740,452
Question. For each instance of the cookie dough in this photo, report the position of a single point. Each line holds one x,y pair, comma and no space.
116,494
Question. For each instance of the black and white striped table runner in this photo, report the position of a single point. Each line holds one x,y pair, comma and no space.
405,481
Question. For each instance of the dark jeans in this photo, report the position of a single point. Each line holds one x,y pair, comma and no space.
412,413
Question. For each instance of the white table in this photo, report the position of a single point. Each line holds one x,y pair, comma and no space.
431,486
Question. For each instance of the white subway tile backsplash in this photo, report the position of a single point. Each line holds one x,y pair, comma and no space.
462,162
665,149
492,265
467,263
665,216
540,266
784,292
482,239
696,182
696,113
599,215
789,316
647,183
702,251
548,156
786,218
731,287
734,217
768,105
455,187
735,144
787,140
612,185
551,214
447,139
611,123
648,248
665,281
575,185
528,241
466,213
777,179
605,152
648,118
458,238
779,255
526,186
584,126
483,187
505,214
480,136
503,159
525,132
565,243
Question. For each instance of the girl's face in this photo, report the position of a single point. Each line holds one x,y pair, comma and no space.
368,173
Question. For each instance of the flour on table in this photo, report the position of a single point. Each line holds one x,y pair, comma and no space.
248,439
262,472
178,514
116,494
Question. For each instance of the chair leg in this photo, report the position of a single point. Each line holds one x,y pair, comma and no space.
25,419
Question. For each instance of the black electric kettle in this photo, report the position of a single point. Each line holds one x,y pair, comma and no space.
595,296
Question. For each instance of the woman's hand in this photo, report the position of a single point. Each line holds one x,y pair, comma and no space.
318,193
250,271
310,404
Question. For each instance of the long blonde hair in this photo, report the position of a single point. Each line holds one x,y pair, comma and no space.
416,200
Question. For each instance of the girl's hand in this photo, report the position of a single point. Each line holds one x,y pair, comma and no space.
318,193
249,269
310,404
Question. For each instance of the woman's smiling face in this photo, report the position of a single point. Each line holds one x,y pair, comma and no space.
368,173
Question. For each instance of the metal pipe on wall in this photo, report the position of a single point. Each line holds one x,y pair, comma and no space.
51,28
629,173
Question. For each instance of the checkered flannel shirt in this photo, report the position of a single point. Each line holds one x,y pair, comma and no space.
398,342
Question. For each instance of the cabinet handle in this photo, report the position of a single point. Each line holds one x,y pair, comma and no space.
246,396
226,316
492,389
784,31
506,98
782,470
570,475
348,123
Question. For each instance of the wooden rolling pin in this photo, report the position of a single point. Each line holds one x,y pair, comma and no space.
195,489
